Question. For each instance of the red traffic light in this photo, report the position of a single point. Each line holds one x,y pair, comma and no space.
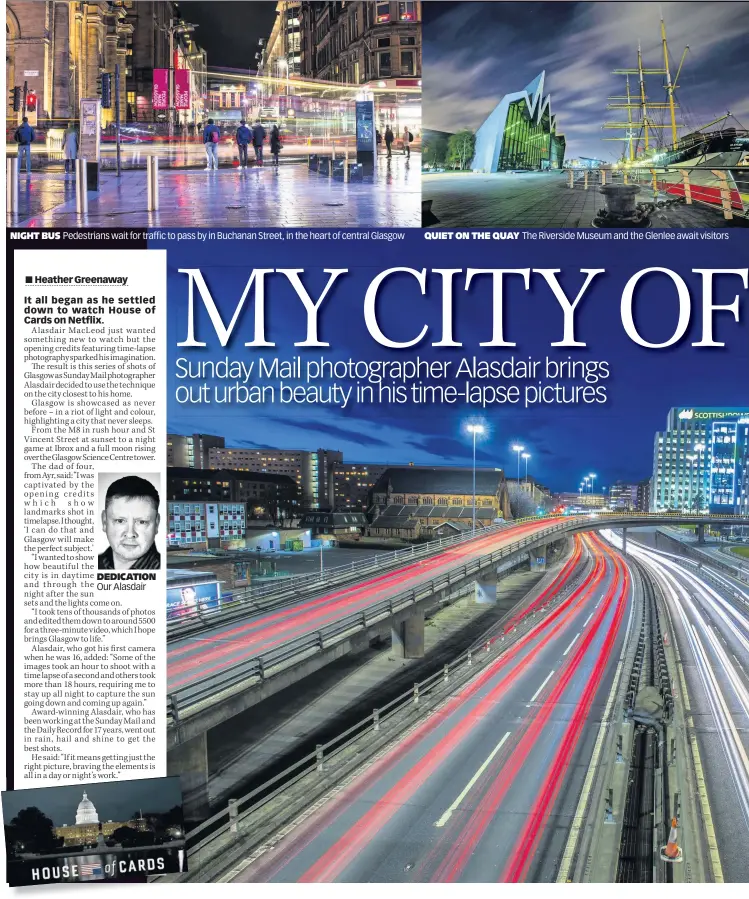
31,102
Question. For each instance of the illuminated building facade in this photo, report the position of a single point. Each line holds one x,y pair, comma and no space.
191,450
309,469
87,825
520,133
351,484
701,461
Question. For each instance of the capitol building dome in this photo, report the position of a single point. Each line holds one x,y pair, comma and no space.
86,813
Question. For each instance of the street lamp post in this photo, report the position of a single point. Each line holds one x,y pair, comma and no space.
592,482
526,456
518,449
474,430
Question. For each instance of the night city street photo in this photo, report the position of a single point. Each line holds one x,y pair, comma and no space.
215,113
452,607
585,114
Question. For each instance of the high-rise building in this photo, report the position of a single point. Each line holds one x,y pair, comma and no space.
701,461
309,469
623,496
351,484
643,496
520,133
190,451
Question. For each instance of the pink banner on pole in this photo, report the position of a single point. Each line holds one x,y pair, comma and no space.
160,89
182,89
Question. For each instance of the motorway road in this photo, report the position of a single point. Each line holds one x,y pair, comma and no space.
484,789
213,651
710,613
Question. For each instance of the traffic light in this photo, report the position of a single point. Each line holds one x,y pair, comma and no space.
106,90
15,96
31,102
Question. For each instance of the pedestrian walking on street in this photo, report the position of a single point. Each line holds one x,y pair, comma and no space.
389,138
24,136
211,137
258,136
407,139
70,147
275,144
244,136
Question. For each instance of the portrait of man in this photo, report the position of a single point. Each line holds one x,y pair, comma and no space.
131,521
189,600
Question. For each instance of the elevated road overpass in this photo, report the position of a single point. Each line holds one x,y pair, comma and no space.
229,666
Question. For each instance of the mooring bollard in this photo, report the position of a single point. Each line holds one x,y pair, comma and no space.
11,185
152,177
233,815
81,186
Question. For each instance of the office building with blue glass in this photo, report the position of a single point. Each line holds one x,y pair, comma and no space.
520,133
701,461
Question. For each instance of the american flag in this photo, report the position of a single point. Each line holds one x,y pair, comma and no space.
90,870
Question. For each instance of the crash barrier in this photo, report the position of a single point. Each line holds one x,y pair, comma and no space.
246,818
11,185
726,189
290,589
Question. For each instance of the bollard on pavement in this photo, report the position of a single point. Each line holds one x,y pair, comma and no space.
81,186
152,176
603,177
586,179
233,815
375,720
470,657
570,178
11,185
318,756
345,166
416,694
446,673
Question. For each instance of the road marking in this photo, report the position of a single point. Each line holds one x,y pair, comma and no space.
571,644
448,814
588,618
536,694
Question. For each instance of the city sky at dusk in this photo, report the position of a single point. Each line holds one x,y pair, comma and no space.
476,52
614,440
228,30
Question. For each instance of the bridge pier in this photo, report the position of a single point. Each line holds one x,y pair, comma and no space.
408,637
537,558
485,590
701,534
190,761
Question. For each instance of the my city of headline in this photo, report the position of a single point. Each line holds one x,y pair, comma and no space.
673,289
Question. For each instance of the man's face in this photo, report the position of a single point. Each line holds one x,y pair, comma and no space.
130,526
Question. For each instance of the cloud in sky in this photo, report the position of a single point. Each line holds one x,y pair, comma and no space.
476,52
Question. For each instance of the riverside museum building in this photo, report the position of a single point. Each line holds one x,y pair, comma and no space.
520,133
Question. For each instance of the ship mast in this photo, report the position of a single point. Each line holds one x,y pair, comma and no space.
669,85
644,104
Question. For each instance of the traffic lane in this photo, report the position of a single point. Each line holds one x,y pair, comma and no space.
486,715
729,813
226,645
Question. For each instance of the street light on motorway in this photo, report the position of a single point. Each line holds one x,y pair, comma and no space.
526,456
475,430
517,448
